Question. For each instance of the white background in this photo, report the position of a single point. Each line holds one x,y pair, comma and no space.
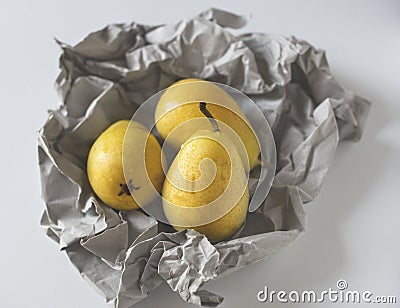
353,226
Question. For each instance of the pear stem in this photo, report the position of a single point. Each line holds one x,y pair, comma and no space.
207,113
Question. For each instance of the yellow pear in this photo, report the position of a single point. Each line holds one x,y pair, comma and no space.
105,165
179,103
206,186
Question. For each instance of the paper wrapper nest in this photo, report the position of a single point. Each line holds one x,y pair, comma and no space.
110,73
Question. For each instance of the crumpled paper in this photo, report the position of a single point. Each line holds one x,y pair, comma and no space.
104,78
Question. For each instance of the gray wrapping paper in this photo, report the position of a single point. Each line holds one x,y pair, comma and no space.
110,73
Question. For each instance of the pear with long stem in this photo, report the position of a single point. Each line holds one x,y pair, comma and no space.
206,185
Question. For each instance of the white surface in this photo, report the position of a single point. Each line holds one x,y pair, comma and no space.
352,226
